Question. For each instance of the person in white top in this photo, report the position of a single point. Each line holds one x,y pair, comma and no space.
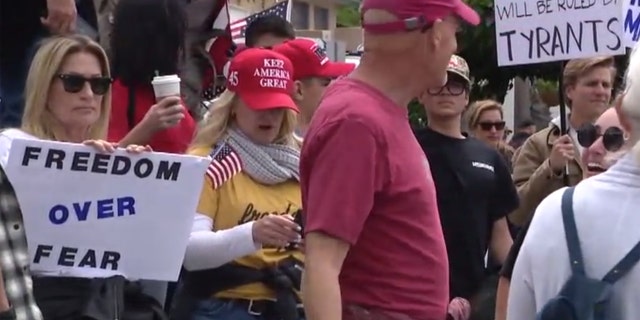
68,99
606,213
602,142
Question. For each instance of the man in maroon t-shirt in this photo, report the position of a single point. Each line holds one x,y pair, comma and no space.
374,245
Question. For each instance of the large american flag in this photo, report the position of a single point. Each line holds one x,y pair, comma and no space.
225,163
281,9
220,47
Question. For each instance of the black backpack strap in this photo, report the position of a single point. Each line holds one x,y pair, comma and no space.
131,109
571,233
624,266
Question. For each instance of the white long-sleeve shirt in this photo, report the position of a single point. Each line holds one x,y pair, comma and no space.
607,214
210,249
6,139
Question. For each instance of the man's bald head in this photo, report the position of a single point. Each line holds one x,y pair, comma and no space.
382,43
422,32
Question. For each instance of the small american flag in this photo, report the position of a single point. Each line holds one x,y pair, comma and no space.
281,9
225,164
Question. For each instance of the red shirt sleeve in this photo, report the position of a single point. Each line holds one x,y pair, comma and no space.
118,126
340,174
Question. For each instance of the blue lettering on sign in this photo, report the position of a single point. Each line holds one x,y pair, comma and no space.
104,209
632,23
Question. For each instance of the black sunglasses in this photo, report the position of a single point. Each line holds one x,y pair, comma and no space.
612,138
74,83
454,88
486,125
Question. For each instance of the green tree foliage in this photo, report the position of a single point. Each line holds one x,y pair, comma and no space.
348,16
417,116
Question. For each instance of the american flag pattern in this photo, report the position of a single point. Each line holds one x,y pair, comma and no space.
211,93
225,163
239,27
218,49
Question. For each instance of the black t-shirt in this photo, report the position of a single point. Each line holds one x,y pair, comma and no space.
19,26
474,189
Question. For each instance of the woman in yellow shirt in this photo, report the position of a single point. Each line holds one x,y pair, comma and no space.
242,258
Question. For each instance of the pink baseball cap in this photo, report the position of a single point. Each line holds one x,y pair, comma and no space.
310,60
416,14
262,79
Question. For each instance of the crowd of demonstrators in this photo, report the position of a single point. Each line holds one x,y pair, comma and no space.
549,159
314,167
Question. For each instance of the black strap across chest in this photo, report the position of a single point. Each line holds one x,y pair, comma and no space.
573,243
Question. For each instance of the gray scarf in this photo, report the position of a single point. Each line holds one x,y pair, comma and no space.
268,164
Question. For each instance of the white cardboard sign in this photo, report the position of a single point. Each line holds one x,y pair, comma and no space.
631,22
104,214
534,31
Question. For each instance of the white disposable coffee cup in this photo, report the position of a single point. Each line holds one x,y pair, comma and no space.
166,86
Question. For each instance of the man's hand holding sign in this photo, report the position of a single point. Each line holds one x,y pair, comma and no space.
105,213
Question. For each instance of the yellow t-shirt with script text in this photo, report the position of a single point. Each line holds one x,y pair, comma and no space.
239,200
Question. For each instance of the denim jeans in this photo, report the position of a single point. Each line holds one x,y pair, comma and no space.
215,309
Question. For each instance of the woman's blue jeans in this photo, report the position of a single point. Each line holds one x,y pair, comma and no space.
215,309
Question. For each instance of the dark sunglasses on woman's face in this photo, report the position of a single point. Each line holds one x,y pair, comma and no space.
74,83
612,138
486,125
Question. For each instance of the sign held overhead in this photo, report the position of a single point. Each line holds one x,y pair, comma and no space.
631,22
535,31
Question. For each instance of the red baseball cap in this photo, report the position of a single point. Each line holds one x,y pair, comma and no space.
310,60
262,79
416,14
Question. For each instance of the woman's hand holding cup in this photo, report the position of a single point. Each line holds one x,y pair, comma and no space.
167,113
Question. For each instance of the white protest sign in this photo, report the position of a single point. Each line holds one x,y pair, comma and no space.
99,214
533,31
631,22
